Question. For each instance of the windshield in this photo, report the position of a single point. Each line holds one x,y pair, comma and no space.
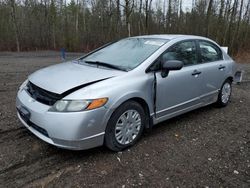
127,53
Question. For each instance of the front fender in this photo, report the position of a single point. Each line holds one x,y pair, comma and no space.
125,97
119,90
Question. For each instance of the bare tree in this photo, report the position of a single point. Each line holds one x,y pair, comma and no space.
209,12
128,8
86,24
14,20
148,4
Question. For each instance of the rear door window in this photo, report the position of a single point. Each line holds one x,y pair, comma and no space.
209,52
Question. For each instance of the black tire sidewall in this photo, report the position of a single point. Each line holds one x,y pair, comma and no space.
110,140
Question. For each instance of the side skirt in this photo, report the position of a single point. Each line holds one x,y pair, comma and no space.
205,100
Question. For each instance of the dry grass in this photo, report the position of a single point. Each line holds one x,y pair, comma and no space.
243,57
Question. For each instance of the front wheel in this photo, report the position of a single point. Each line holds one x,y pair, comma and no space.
125,126
224,94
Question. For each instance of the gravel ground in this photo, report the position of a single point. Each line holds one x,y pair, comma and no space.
208,147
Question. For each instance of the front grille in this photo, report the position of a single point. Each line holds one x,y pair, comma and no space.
42,95
33,125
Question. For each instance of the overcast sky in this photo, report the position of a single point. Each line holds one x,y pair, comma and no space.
186,4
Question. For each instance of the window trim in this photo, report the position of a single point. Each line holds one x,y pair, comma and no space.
213,44
185,40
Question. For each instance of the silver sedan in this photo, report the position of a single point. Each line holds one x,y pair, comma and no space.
112,94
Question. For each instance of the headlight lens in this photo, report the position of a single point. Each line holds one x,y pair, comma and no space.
61,105
77,105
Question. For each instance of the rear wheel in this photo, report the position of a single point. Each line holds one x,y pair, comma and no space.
125,126
224,94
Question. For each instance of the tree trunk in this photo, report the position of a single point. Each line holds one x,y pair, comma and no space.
169,13
140,19
14,20
118,16
77,17
209,12
236,33
128,10
219,23
232,19
226,18
147,11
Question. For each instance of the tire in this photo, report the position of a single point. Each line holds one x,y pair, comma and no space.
125,126
224,94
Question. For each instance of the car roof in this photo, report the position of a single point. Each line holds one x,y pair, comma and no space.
170,36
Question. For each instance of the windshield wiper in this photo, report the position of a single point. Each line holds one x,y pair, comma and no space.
105,65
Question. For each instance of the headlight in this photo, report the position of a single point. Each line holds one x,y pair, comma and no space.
77,105
23,85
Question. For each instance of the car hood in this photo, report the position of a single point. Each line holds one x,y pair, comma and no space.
65,76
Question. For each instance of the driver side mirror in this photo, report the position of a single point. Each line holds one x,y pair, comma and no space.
169,66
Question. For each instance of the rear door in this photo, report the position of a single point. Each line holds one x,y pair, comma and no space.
179,91
213,69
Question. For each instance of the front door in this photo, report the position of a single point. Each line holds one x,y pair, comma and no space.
179,91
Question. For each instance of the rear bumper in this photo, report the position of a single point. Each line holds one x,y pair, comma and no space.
76,131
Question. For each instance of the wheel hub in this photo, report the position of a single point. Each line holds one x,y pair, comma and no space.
226,92
128,127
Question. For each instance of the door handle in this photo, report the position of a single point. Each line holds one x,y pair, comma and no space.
221,67
196,73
